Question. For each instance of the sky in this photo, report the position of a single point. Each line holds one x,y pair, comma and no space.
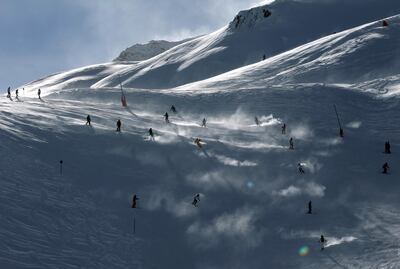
42,37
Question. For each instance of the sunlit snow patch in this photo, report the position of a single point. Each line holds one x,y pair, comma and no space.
332,241
354,124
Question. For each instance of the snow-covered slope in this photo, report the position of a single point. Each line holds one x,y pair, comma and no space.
291,23
365,57
141,52
253,200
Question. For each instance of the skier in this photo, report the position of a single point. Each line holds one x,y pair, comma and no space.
385,23
267,13
204,123
284,128
196,199
257,121
8,93
134,201
385,167
151,134
291,144
119,125
38,93
16,93
309,207
166,116
322,241
387,147
300,167
197,141
173,109
88,120
264,57
341,132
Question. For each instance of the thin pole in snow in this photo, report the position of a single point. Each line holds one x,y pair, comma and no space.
61,166
337,116
134,225
338,119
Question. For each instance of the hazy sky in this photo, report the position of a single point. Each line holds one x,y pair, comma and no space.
41,37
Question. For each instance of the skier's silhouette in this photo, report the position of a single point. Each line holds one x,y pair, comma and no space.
134,201
284,128
309,207
196,199
204,123
385,167
151,134
197,141
322,241
256,121
166,116
387,147
173,109
88,120
291,144
119,126
385,23
300,167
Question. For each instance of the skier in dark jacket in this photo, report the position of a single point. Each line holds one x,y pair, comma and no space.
256,121
88,120
8,92
301,169
119,126
385,167
151,134
284,128
309,207
38,93
387,147
322,241
196,199
166,116
173,109
291,144
204,123
134,201
16,93
197,141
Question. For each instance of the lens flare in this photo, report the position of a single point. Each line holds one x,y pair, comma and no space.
304,251
250,184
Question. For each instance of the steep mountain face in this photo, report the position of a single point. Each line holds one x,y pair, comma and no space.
141,52
265,30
